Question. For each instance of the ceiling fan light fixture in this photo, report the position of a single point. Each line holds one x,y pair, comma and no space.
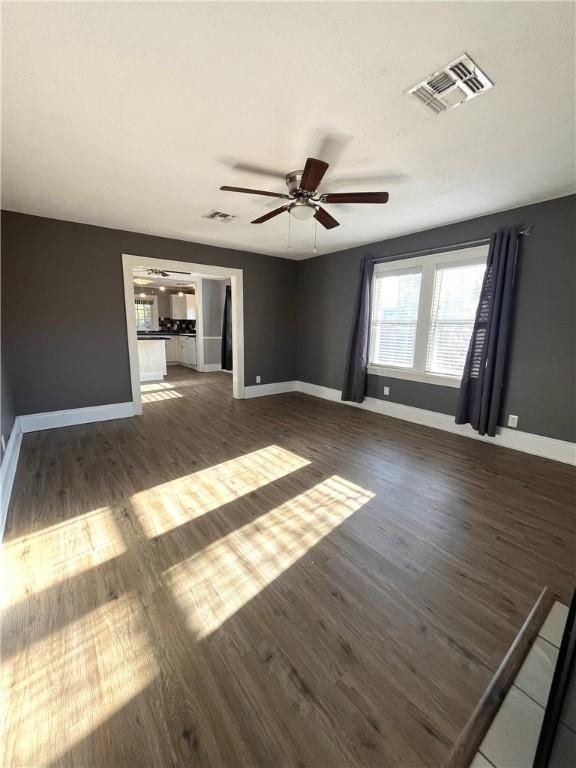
302,211
303,196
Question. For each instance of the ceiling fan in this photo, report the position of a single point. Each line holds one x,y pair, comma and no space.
163,273
304,197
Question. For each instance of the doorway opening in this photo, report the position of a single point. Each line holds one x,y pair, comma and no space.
181,315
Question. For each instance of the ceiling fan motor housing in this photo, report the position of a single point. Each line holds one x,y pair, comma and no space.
302,207
293,182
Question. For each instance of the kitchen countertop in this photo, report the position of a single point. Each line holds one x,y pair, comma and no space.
165,336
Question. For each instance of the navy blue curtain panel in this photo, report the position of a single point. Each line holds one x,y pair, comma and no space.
356,373
227,331
484,376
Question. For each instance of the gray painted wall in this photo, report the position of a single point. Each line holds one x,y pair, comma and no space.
6,405
212,351
541,382
213,311
163,304
66,347
212,306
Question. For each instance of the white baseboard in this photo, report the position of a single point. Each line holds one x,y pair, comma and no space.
8,471
276,388
210,367
152,376
547,447
33,422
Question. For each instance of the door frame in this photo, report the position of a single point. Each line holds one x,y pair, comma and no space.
129,261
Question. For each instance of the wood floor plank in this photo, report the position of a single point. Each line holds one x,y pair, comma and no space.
271,582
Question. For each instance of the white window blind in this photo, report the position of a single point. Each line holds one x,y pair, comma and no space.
455,300
423,313
394,316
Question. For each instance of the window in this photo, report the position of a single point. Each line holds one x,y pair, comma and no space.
423,313
146,313
395,317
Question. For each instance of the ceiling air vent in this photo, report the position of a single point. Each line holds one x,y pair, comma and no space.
459,81
224,218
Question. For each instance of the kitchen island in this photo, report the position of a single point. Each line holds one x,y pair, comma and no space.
152,358
156,351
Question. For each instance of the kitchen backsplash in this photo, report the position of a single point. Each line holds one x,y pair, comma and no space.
177,326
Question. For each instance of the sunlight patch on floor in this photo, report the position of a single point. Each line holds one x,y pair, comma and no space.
156,386
156,397
64,686
178,501
214,584
42,559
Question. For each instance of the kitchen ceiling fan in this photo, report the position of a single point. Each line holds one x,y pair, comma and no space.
304,197
163,273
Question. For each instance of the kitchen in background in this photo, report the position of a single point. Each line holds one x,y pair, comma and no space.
179,319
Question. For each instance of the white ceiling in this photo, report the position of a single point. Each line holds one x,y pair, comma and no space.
131,115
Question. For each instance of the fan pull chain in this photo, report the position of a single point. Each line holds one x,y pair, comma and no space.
289,231
315,236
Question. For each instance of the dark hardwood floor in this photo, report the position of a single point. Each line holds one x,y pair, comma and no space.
272,582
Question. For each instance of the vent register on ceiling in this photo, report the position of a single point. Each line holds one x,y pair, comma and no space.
459,81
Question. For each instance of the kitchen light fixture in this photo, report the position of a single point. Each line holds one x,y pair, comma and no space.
180,293
143,295
162,288
141,281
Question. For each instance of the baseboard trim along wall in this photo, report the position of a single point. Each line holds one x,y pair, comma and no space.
547,447
276,388
8,471
33,422
211,367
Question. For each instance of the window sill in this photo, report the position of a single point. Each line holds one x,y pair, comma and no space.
409,375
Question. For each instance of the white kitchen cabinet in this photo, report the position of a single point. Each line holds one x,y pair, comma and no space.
173,350
188,349
182,350
183,307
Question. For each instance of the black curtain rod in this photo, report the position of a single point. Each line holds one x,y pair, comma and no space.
444,248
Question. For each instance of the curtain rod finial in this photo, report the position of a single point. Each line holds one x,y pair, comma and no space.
527,230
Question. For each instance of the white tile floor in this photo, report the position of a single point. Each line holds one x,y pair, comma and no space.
554,625
512,738
535,676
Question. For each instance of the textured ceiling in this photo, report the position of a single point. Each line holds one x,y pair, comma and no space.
132,115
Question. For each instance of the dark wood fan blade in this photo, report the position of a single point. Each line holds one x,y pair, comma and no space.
327,221
270,215
313,174
355,197
255,192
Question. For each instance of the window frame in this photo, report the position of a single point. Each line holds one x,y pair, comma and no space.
151,298
428,264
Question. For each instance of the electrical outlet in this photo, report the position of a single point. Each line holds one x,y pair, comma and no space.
257,379
386,391
512,421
